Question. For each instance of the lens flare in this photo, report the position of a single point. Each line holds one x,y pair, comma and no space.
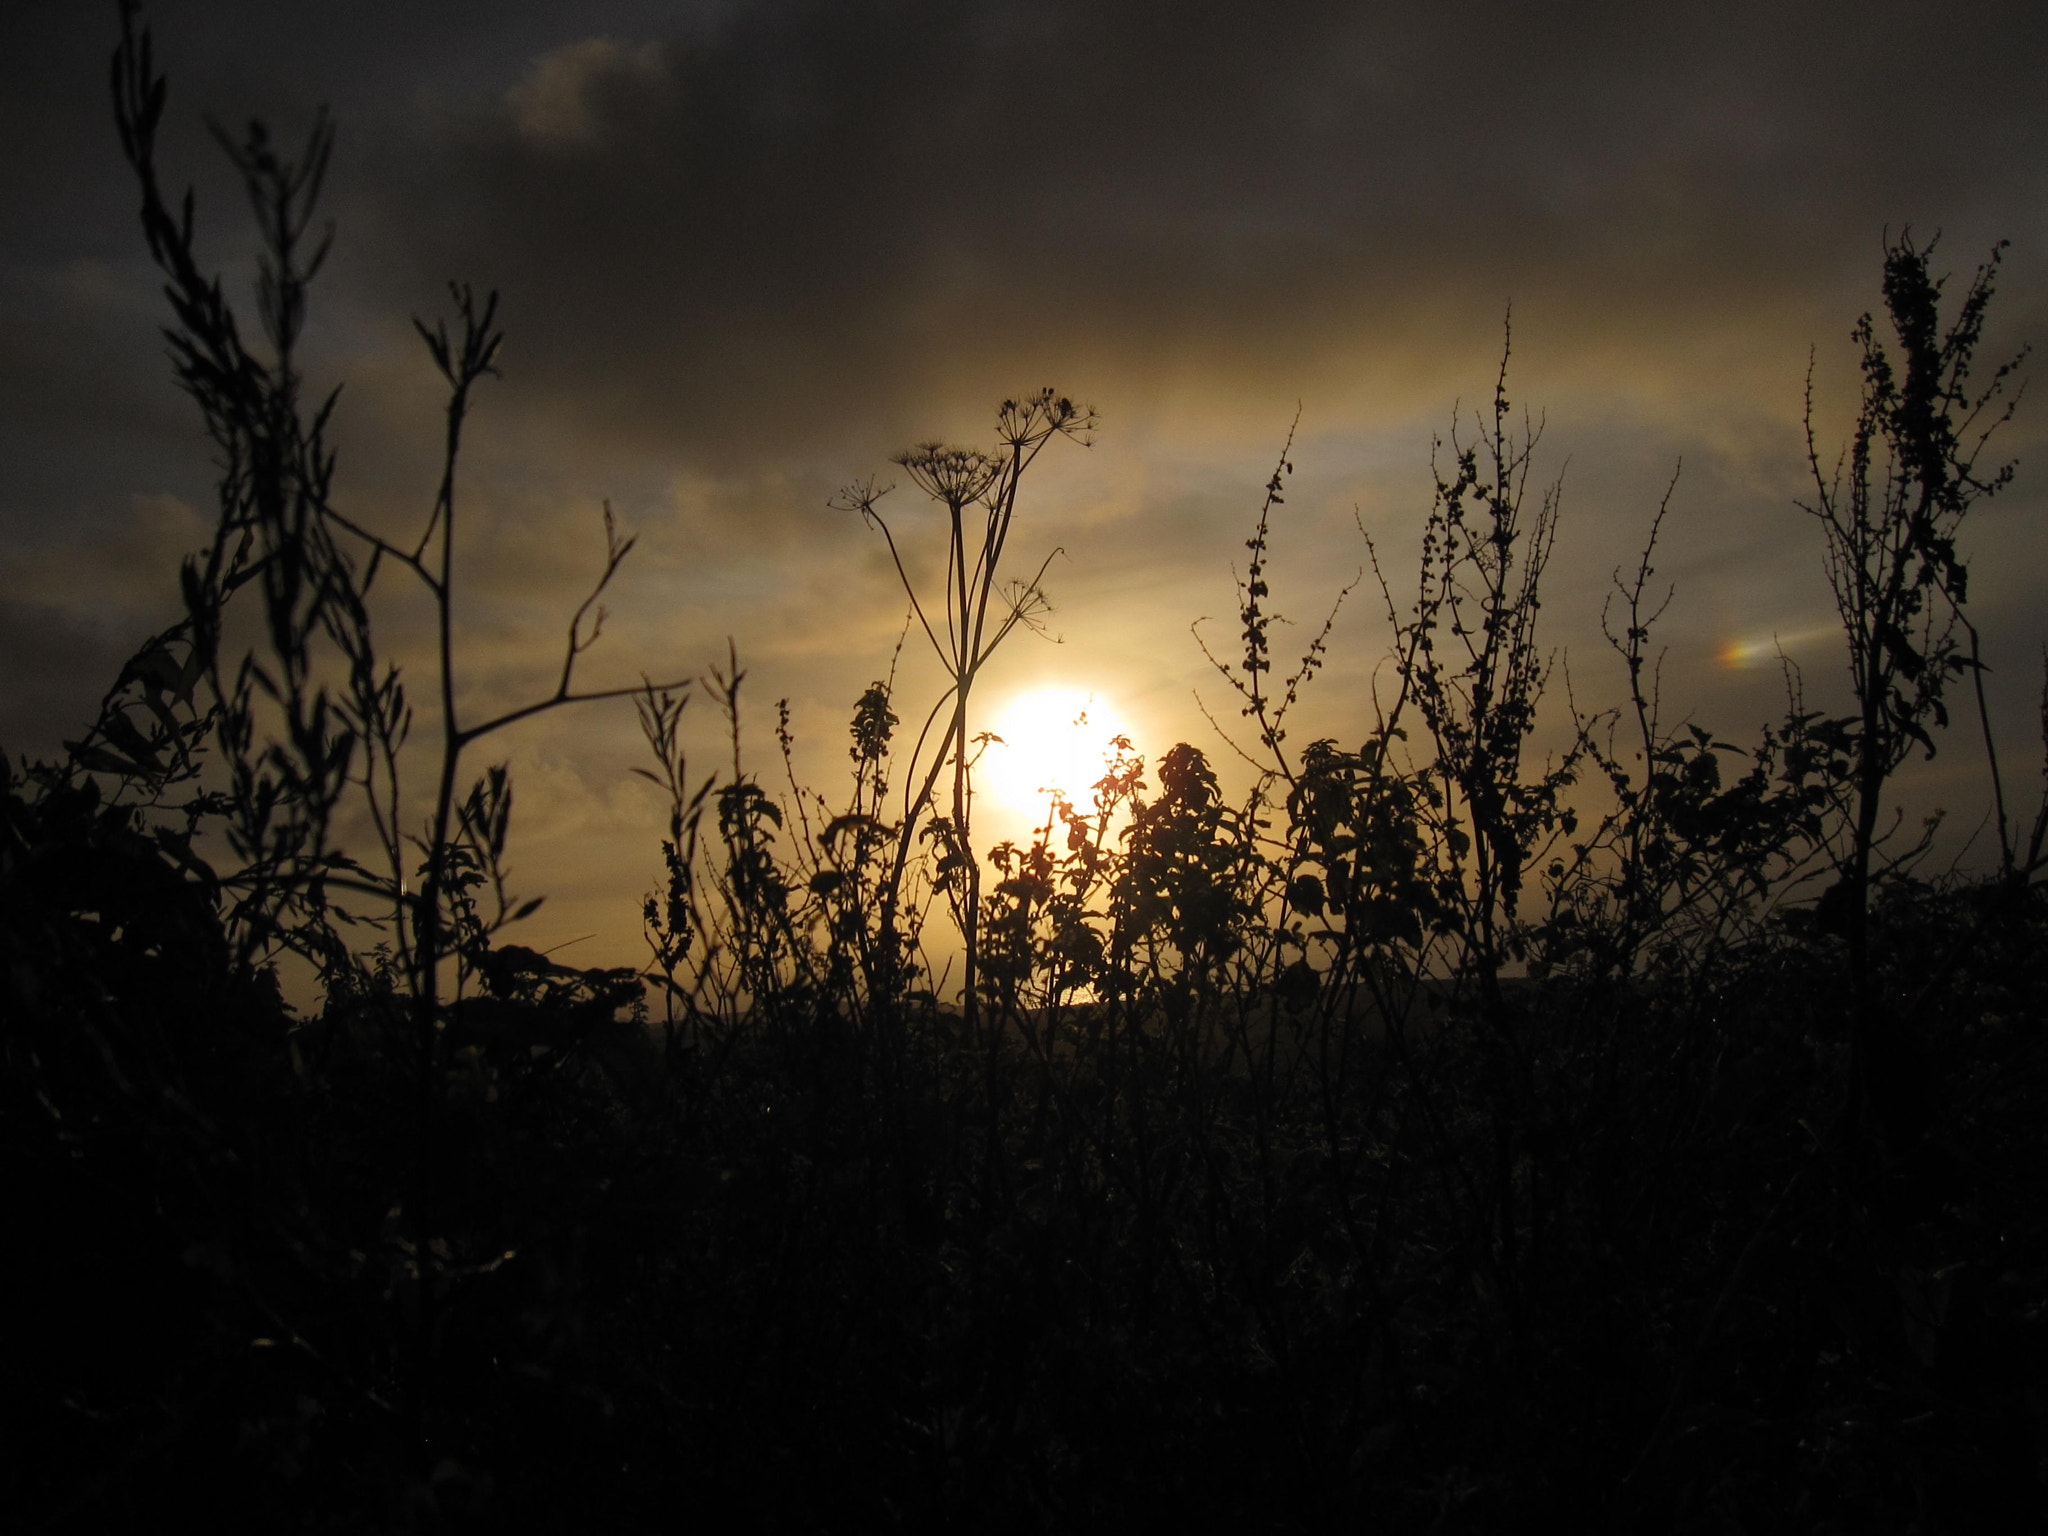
1737,655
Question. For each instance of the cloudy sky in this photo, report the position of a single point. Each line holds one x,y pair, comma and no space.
747,251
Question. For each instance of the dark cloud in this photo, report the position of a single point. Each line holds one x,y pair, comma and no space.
792,225
49,652
725,230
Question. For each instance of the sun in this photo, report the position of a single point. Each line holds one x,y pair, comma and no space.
1053,740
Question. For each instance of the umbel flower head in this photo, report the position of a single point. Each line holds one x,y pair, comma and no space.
955,476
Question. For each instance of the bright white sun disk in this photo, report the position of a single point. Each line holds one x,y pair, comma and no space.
1054,740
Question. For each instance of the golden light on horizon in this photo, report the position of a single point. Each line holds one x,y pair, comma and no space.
1053,741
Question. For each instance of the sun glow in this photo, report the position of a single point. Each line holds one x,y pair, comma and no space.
1053,740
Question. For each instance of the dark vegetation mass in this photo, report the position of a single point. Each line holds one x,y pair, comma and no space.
1432,1140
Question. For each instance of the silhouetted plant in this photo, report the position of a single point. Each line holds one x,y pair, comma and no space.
1686,864
289,745
1890,511
959,479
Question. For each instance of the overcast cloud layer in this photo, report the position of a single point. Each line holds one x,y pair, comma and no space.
748,251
